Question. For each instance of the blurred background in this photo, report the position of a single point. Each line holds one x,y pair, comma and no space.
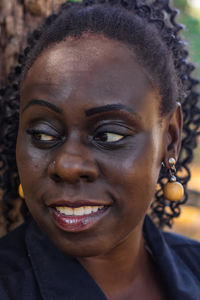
189,221
20,17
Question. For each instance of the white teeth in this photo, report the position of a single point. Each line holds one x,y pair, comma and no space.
87,210
78,211
94,208
65,210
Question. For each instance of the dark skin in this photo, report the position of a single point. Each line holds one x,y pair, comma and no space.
113,155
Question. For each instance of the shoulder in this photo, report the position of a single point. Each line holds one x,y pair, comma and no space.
13,253
178,257
183,246
186,249
176,240
16,272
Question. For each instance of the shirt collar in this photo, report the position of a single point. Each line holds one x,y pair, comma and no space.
59,276
178,279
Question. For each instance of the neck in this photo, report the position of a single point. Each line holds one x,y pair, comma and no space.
121,267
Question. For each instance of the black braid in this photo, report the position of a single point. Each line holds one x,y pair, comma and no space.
172,75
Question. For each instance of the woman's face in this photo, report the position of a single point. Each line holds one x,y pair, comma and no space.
90,144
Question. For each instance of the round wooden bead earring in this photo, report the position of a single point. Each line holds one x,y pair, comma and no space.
20,191
173,190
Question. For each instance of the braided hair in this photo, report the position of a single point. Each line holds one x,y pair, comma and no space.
150,29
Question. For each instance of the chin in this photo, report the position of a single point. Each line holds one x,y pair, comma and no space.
82,249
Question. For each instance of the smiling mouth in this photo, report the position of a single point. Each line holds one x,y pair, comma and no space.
78,211
76,219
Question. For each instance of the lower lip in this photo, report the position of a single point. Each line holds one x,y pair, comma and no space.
76,223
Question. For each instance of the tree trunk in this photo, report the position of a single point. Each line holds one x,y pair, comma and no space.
17,19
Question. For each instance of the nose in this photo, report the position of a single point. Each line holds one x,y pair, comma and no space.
72,168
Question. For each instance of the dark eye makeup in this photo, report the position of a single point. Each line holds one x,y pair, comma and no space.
43,139
112,134
108,133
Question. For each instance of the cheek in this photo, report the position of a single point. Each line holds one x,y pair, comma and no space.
32,166
133,174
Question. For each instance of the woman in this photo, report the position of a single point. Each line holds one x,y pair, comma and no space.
100,113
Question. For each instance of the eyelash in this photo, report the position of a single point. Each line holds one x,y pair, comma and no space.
95,139
34,132
123,136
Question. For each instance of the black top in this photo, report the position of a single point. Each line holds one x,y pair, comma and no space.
32,268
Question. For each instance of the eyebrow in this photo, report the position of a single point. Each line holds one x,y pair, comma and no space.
88,113
108,108
43,103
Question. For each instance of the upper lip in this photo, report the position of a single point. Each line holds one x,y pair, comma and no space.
78,203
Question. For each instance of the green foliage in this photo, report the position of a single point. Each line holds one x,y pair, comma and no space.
191,33
181,4
192,36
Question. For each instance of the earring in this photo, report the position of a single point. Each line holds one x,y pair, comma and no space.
173,190
20,191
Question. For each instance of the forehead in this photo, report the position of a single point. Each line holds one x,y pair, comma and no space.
92,66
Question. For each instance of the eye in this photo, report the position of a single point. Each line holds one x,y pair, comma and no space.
43,137
108,137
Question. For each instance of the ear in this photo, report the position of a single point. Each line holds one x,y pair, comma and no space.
173,134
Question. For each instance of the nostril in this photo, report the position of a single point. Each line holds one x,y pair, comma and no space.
85,177
56,178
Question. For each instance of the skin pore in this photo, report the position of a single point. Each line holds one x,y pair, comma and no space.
90,128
